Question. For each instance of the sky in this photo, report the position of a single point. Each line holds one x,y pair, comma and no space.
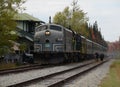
105,12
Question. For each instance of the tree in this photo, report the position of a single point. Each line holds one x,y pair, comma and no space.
76,20
63,18
73,18
8,9
87,31
23,47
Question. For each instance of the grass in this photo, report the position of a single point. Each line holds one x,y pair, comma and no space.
7,65
113,77
4,65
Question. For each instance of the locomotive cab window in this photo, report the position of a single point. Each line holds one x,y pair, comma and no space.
41,28
44,27
57,28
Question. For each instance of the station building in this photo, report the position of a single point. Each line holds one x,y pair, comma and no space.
25,31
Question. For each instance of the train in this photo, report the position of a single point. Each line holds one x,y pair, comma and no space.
54,44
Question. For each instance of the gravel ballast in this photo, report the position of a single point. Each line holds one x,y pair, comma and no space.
91,79
10,79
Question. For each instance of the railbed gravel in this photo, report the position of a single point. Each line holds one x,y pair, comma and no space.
91,79
9,79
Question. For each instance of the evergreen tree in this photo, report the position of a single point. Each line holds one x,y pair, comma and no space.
90,32
86,31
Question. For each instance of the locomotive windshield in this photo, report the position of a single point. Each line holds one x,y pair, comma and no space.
41,28
57,28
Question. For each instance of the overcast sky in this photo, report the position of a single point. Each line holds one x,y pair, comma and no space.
105,12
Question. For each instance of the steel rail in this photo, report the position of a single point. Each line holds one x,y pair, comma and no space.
35,80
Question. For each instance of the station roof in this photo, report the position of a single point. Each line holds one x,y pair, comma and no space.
26,17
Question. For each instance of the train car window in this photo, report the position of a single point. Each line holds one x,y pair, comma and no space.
57,28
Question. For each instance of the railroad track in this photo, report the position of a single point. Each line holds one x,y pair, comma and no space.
58,78
24,69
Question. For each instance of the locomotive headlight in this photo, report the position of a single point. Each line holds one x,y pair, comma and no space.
47,32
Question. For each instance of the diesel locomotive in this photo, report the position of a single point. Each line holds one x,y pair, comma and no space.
56,44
